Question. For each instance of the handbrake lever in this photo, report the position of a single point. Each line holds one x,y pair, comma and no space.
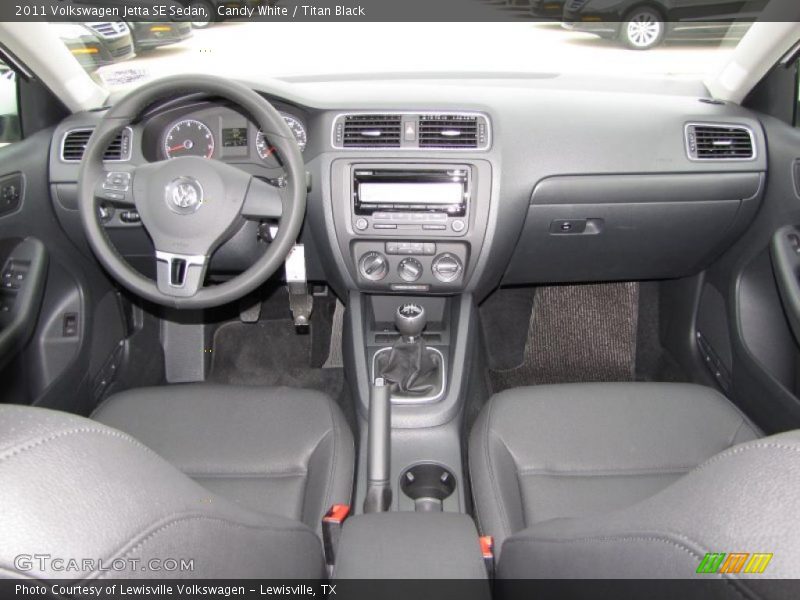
379,490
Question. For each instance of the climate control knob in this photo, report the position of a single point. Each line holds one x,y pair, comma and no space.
447,267
410,269
373,266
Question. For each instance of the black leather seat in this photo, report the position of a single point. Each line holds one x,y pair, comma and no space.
236,478
630,480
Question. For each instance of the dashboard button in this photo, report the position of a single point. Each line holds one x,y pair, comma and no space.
373,266
446,267
410,269
361,224
458,226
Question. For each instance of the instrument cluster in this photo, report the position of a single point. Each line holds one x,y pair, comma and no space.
223,134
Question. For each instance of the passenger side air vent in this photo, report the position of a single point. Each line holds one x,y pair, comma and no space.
74,145
371,131
719,142
450,131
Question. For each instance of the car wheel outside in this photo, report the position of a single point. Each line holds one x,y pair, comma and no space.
209,10
643,29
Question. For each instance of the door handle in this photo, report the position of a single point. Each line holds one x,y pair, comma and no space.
785,254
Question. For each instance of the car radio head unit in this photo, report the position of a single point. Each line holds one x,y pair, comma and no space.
421,198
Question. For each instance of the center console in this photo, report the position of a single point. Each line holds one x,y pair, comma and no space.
410,232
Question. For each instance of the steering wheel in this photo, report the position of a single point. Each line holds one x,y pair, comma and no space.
191,205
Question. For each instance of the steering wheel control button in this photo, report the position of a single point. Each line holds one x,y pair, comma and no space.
447,267
129,216
184,195
373,266
458,226
117,181
410,269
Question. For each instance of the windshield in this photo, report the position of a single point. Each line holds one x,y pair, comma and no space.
117,58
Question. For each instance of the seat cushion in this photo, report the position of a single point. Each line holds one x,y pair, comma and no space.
279,451
577,450
74,489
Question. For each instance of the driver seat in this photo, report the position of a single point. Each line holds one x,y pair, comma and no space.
236,478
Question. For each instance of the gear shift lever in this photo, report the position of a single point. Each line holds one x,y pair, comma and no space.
410,367
410,319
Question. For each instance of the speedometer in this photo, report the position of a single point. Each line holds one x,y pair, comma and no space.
265,149
189,138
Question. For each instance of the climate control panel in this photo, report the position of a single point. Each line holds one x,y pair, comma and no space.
410,266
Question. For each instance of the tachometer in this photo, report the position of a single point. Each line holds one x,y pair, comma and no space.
265,149
189,138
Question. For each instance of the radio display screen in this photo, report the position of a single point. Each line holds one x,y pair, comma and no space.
439,194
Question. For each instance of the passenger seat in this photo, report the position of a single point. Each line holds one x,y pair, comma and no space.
627,480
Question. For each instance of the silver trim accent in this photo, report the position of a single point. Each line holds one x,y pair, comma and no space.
421,399
741,126
191,260
77,129
414,114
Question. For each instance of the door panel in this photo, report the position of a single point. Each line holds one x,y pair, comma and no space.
48,358
764,353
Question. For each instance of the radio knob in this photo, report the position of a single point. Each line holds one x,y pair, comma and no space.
447,267
373,266
410,269
361,224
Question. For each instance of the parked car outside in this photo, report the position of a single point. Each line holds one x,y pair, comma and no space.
149,35
645,25
547,9
97,44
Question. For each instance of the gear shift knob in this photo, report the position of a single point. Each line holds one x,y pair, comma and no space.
410,320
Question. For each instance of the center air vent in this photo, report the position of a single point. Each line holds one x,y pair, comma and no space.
450,131
371,131
412,131
74,145
719,142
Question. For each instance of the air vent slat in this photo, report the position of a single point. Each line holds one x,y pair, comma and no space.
371,131
73,146
719,142
448,131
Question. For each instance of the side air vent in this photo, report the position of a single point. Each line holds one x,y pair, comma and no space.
74,145
719,142
450,131
371,131
413,131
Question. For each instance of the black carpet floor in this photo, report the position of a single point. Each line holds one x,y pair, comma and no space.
577,333
271,353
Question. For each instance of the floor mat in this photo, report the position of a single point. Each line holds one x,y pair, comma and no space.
268,353
578,333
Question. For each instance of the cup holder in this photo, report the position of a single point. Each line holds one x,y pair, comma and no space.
428,485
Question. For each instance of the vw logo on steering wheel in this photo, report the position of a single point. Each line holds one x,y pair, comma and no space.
184,195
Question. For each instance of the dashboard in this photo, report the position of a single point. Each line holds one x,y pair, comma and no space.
563,183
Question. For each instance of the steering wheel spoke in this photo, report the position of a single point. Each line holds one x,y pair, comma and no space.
263,200
180,275
116,187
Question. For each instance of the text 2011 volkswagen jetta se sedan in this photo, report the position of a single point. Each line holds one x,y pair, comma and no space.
326,315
